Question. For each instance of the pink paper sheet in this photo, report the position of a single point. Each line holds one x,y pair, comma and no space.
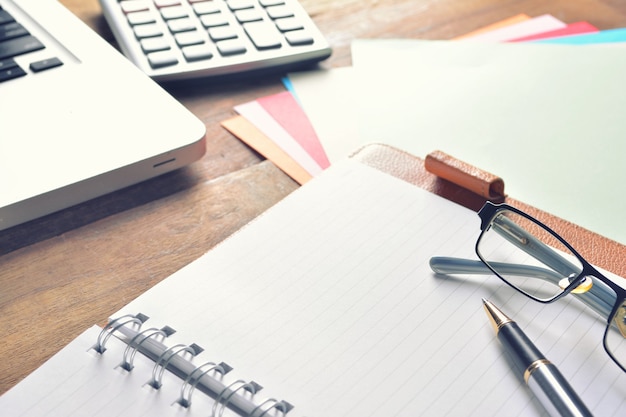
576,28
284,108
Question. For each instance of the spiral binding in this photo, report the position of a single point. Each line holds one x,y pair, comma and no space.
186,390
237,396
114,325
227,393
274,404
135,343
164,360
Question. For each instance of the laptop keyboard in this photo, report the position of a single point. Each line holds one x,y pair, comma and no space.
174,39
16,40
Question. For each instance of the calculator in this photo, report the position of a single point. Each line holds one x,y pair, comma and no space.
185,39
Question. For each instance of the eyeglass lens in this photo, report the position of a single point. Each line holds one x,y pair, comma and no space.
527,256
615,336
532,259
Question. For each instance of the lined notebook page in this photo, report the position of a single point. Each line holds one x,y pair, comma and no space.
78,382
327,300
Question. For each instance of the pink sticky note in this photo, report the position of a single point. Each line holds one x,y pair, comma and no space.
576,28
284,108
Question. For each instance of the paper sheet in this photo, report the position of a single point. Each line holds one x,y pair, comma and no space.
543,23
613,37
256,114
497,25
79,382
544,118
284,108
328,302
250,134
576,28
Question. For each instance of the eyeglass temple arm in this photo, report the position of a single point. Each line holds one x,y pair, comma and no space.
597,297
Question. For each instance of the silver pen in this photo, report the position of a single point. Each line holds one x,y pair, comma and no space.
542,377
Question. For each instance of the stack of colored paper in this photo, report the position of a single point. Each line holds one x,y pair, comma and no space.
520,98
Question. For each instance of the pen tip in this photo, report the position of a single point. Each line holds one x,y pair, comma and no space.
496,316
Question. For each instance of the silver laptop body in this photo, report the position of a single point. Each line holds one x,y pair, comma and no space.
90,126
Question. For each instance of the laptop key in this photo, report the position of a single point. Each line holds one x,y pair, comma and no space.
19,46
12,30
5,17
7,63
11,73
45,64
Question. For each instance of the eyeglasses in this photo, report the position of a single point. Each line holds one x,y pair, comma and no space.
532,258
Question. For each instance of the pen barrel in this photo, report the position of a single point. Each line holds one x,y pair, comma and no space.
542,377
555,393
521,350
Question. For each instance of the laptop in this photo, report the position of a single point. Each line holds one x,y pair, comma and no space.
77,120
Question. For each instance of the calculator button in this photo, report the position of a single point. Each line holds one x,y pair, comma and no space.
279,12
205,7
240,4
131,6
175,12
231,47
189,38
298,38
147,31
140,18
221,33
263,35
155,44
162,59
267,3
197,52
181,25
287,24
214,19
166,3
248,15
172,39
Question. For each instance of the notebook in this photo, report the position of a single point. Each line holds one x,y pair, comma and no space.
325,306
73,131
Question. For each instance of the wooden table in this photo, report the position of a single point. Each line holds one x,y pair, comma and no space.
67,271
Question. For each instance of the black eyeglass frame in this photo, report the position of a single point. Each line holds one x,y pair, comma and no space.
488,213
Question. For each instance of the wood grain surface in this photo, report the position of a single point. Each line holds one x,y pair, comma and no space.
72,269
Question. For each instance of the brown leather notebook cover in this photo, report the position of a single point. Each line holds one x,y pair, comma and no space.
597,249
